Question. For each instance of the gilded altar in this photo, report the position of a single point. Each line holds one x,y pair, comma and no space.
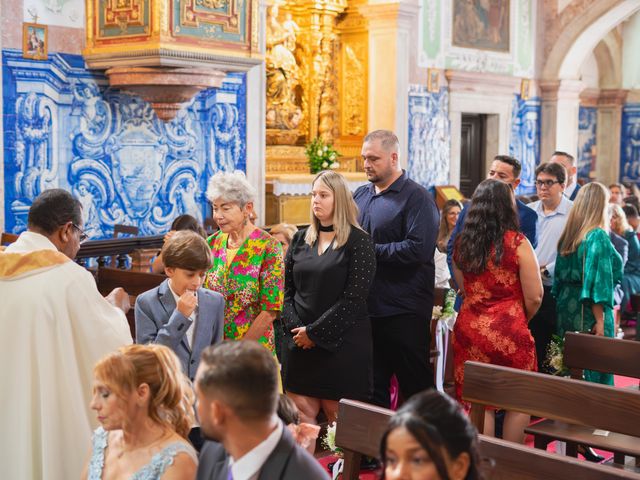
316,64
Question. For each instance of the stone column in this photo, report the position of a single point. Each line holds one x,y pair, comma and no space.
256,101
560,114
608,132
389,47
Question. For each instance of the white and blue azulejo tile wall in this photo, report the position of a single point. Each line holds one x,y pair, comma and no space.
64,128
524,143
587,126
429,136
630,143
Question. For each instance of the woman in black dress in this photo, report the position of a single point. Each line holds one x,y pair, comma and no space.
328,271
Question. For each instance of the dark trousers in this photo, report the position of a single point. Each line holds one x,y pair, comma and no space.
543,325
400,347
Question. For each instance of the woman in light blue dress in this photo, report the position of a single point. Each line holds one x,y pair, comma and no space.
144,404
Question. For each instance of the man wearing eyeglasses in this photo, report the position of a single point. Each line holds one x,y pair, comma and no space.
54,326
552,210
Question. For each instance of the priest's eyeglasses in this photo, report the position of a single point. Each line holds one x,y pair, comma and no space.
83,236
546,183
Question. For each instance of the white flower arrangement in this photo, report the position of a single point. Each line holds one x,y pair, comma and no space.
555,357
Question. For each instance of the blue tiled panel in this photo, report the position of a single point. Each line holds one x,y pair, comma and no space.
524,143
429,136
64,128
587,126
630,143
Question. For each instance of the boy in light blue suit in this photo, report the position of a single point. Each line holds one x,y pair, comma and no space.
179,313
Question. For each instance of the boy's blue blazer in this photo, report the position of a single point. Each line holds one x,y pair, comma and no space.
159,321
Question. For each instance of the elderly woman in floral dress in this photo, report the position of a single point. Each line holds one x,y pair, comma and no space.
247,262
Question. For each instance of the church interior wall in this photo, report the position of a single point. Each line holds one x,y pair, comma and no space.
63,127
475,71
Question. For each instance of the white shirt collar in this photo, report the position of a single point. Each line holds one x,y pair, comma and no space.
249,465
563,207
31,241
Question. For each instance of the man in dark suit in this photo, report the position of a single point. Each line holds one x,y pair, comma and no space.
506,169
237,390
569,163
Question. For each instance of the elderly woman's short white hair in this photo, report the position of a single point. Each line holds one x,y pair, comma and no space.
232,187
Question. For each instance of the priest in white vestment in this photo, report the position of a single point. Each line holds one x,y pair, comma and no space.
54,326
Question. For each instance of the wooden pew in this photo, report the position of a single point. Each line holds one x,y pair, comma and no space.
134,284
7,238
360,429
573,402
610,355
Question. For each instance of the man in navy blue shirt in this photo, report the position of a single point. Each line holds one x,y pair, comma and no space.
506,169
402,219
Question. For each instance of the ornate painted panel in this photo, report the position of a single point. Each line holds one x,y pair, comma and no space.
119,19
227,21
524,142
630,143
429,136
587,123
64,129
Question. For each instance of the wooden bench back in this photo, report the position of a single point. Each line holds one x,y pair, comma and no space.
564,399
361,426
609,355
134,284
512,460
7,238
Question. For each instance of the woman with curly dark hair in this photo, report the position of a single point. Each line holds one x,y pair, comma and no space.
498,272
430,438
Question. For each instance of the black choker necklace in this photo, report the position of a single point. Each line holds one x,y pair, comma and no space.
328,228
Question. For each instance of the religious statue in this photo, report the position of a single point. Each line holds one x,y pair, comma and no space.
283,113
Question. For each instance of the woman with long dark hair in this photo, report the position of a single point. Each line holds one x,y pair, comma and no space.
496,267
430,438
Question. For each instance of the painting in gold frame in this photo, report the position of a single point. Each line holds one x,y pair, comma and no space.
35,41
433,80
482,24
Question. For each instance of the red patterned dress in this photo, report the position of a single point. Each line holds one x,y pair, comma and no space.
492,325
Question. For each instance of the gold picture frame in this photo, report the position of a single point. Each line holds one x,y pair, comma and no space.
433,80
525,85
35,41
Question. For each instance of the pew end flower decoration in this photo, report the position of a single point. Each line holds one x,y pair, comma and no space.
321,156
555,357
329,440
446,313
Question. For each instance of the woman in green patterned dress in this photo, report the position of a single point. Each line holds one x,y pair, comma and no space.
247,262
587,270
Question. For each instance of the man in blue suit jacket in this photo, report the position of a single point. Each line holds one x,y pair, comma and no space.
179,313
506,169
